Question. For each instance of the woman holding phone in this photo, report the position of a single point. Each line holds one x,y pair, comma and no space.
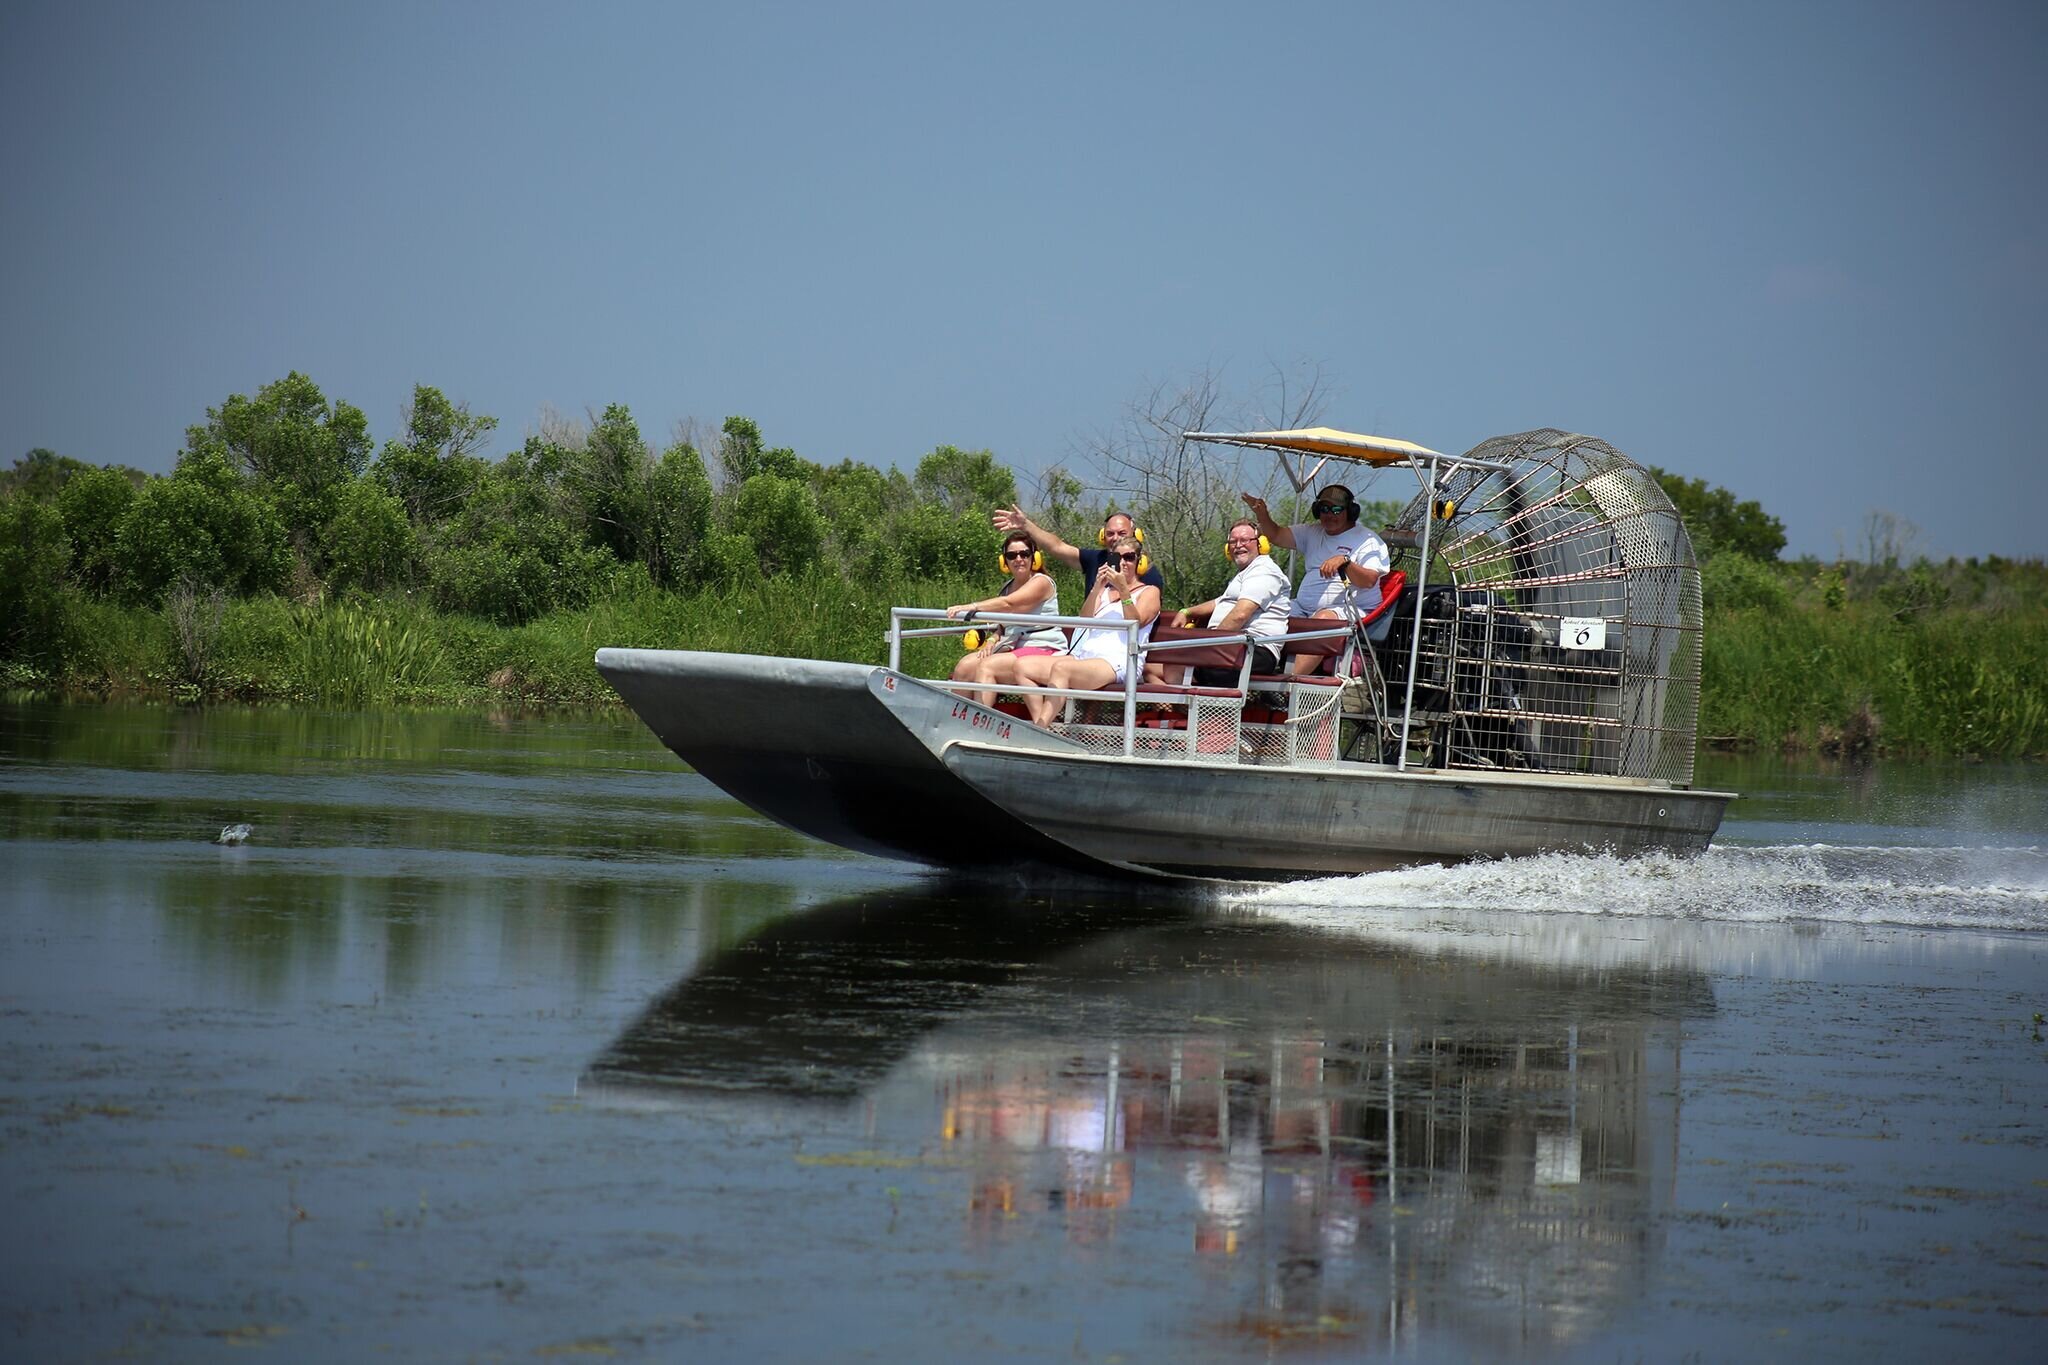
1100,656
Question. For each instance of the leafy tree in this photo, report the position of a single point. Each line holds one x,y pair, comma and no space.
739,452
742,454
780,517
93,502
370,543
1059,506
859,503
727,558
930,541
965,481
432,467
34,556
205,525
679,495
1718,523
40,474
609,475
516,551
293,445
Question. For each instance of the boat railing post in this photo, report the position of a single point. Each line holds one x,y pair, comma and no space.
895,639
1415,636
1132,667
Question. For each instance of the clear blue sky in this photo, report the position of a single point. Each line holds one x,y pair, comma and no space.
1797,250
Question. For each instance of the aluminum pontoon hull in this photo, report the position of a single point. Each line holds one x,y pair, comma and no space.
880,762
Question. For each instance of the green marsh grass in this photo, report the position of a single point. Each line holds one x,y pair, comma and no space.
1960,682
1862,675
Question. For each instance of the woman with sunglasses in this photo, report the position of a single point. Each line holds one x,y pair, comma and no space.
1100,656
1343,560
1029,591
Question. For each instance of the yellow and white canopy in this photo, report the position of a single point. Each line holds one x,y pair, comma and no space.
1379,451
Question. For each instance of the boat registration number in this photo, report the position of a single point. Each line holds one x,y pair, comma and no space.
978,719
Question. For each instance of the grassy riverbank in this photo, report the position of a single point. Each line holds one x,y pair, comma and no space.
397,650
1793,674
1861,680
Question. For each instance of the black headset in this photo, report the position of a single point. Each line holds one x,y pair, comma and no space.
1351,509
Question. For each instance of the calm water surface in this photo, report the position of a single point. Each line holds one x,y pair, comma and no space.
512,1038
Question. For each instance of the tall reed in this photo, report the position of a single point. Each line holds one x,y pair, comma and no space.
349,656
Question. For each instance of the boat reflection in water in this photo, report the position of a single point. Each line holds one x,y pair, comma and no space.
1377,1136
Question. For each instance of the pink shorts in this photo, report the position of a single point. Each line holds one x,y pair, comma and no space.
1023,651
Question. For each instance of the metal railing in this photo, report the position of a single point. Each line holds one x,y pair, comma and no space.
1138,651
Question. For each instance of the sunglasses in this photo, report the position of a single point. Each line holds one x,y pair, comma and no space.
1016,554
1323,509
1127,557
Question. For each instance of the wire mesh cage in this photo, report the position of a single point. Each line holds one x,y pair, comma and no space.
1561,629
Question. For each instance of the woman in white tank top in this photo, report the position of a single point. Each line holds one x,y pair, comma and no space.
1099,656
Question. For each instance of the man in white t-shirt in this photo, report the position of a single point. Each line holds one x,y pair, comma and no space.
1254,601
1343,560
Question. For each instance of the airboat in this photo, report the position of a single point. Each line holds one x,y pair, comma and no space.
1529,683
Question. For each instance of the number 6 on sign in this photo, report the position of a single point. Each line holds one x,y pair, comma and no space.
1582,632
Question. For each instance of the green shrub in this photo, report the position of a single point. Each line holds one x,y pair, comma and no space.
257,653
35,556
511,581
202,525
930,542
369,541
93,502
1736,582
780,517
679,492
115,647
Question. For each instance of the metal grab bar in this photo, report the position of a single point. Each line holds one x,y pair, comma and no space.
1132,651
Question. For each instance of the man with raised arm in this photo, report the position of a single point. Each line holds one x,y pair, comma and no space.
1342,561
1088,561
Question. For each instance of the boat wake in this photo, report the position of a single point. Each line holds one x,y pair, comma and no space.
1968,888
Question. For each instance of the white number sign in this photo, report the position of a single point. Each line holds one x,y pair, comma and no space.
1582,632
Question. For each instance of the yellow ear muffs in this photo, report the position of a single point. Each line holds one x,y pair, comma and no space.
1137,534
1037,561
1445,509
970,642
1265,548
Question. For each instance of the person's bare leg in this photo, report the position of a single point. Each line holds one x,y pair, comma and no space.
996,668
1036,671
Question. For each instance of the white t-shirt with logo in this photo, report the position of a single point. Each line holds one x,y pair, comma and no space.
1318,593
1265,583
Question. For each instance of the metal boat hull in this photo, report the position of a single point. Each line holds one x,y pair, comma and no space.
880,762
809,745
1223,820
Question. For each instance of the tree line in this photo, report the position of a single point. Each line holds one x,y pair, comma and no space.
285,492
285,498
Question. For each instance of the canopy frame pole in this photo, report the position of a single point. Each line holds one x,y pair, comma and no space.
1415,636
